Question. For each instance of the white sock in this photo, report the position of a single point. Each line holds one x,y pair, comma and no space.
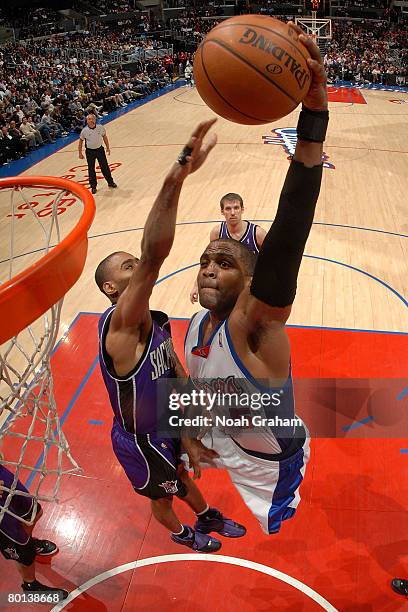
204,511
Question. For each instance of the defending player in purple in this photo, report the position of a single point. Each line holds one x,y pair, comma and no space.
137,355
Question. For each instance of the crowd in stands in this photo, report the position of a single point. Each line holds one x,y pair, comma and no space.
361,8
368,52
34,22
106,7
109,7
44,96
193,25
48,86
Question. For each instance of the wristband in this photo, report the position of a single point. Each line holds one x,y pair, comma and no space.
182,158
312,125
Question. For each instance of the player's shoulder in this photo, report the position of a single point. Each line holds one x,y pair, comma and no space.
260,234
105,317
192,329
160,317
196,319
215,231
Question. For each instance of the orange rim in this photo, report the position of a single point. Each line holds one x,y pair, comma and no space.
29,294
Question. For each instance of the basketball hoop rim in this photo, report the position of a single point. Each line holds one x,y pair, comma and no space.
29,294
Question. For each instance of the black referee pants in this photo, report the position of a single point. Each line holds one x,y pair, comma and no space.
97,154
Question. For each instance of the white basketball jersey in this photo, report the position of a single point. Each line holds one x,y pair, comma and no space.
216,367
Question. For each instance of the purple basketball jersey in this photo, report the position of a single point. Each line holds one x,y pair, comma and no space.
21,505
249,237
139,399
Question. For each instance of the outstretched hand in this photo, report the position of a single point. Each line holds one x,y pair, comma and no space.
197,452
316,98
195,152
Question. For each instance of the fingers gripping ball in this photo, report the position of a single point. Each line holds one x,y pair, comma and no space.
252,69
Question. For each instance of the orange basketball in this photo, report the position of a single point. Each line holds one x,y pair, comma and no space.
251,69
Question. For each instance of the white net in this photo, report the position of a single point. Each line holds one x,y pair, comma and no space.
34,448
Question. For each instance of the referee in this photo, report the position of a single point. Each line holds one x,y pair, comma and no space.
93,135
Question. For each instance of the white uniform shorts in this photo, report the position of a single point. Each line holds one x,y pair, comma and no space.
270,489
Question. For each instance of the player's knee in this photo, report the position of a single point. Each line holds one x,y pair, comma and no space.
162,502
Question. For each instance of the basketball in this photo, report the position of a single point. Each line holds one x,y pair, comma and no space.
251,69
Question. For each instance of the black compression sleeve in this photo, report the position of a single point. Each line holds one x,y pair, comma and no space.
279,259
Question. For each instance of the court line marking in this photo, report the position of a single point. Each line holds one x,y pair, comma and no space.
258,567
358,423
335,261
369,149
68,409
339,106
365,229
63,337
294,325
379,280
180,223
403,393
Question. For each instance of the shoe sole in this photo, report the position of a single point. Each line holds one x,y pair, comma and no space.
206,552
398,592
47,554
203,552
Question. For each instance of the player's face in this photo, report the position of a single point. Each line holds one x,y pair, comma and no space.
121,270
221,278
232,212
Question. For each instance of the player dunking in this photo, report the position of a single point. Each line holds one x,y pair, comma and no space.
136,354
234,227
240,340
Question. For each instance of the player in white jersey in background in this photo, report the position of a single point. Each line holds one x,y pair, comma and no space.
239,343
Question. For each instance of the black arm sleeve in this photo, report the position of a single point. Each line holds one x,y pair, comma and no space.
277,267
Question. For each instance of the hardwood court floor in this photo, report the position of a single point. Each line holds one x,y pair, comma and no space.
348,539
360,222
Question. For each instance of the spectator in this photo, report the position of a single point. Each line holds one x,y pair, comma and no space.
31,134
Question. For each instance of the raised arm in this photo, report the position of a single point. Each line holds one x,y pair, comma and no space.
132,310
263,308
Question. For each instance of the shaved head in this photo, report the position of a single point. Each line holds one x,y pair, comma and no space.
102,271
114,272
239,250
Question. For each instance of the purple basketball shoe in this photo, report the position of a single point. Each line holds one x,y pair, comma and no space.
220,524
199,542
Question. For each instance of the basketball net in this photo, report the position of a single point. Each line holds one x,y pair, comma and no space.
33,445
